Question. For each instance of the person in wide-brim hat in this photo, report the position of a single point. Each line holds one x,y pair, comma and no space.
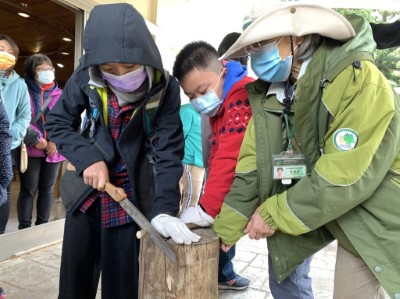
285,35
297,19
319,96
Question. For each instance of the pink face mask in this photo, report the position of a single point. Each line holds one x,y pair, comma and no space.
128,82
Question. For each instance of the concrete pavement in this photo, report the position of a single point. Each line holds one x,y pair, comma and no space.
251,261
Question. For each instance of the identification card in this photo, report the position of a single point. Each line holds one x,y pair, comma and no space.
287,168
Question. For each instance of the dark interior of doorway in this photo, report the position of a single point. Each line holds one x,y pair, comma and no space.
49,29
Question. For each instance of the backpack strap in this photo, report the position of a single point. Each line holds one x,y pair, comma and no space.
353,59
40,113
92,113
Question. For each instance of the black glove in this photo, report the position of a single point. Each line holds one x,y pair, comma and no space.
32,137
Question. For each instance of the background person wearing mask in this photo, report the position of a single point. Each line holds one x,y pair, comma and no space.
118,81
43,159
15,97
321,100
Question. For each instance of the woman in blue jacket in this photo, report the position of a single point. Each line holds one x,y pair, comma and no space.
15,97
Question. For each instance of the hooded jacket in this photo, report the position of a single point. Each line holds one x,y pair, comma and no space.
227,132
117,33
352,187
14,93
37,97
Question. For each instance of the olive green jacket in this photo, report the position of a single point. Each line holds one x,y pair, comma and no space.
349,193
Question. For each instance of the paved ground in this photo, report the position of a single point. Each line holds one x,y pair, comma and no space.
251,261
34,275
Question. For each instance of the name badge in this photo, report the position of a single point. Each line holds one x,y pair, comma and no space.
287,167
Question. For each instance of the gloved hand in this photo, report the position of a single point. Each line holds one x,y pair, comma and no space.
197,216
173,227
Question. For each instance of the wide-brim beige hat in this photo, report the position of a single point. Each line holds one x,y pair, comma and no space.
297,19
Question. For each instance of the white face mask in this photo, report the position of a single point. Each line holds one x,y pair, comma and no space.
45,77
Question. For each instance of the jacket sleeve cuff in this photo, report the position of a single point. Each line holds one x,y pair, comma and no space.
265,215
229,225
276,212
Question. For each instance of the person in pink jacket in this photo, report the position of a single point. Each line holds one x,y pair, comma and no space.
43,159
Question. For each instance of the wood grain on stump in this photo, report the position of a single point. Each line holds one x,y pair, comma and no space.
194,275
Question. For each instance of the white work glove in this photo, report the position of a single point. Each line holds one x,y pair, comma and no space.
197,216
173,227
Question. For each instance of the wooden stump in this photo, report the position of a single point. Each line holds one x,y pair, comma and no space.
194,275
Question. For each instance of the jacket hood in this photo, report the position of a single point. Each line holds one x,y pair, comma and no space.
9,80
362,42
118,33
235,73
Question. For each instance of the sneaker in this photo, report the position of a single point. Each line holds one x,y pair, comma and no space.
237,283
2,294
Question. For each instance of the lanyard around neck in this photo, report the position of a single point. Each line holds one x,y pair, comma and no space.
289,125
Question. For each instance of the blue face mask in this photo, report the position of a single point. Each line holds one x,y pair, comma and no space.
208,104
268,65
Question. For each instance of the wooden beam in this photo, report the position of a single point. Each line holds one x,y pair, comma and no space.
13,243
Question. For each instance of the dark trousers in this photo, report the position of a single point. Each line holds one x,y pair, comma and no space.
39,177
5,208
5,212
89,249
225,265
297,285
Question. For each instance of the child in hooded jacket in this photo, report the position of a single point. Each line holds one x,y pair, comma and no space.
119,73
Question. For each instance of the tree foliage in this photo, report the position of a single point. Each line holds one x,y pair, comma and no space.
387,60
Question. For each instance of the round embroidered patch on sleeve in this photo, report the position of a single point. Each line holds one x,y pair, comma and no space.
345,139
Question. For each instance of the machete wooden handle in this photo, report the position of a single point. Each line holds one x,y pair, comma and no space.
118,194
